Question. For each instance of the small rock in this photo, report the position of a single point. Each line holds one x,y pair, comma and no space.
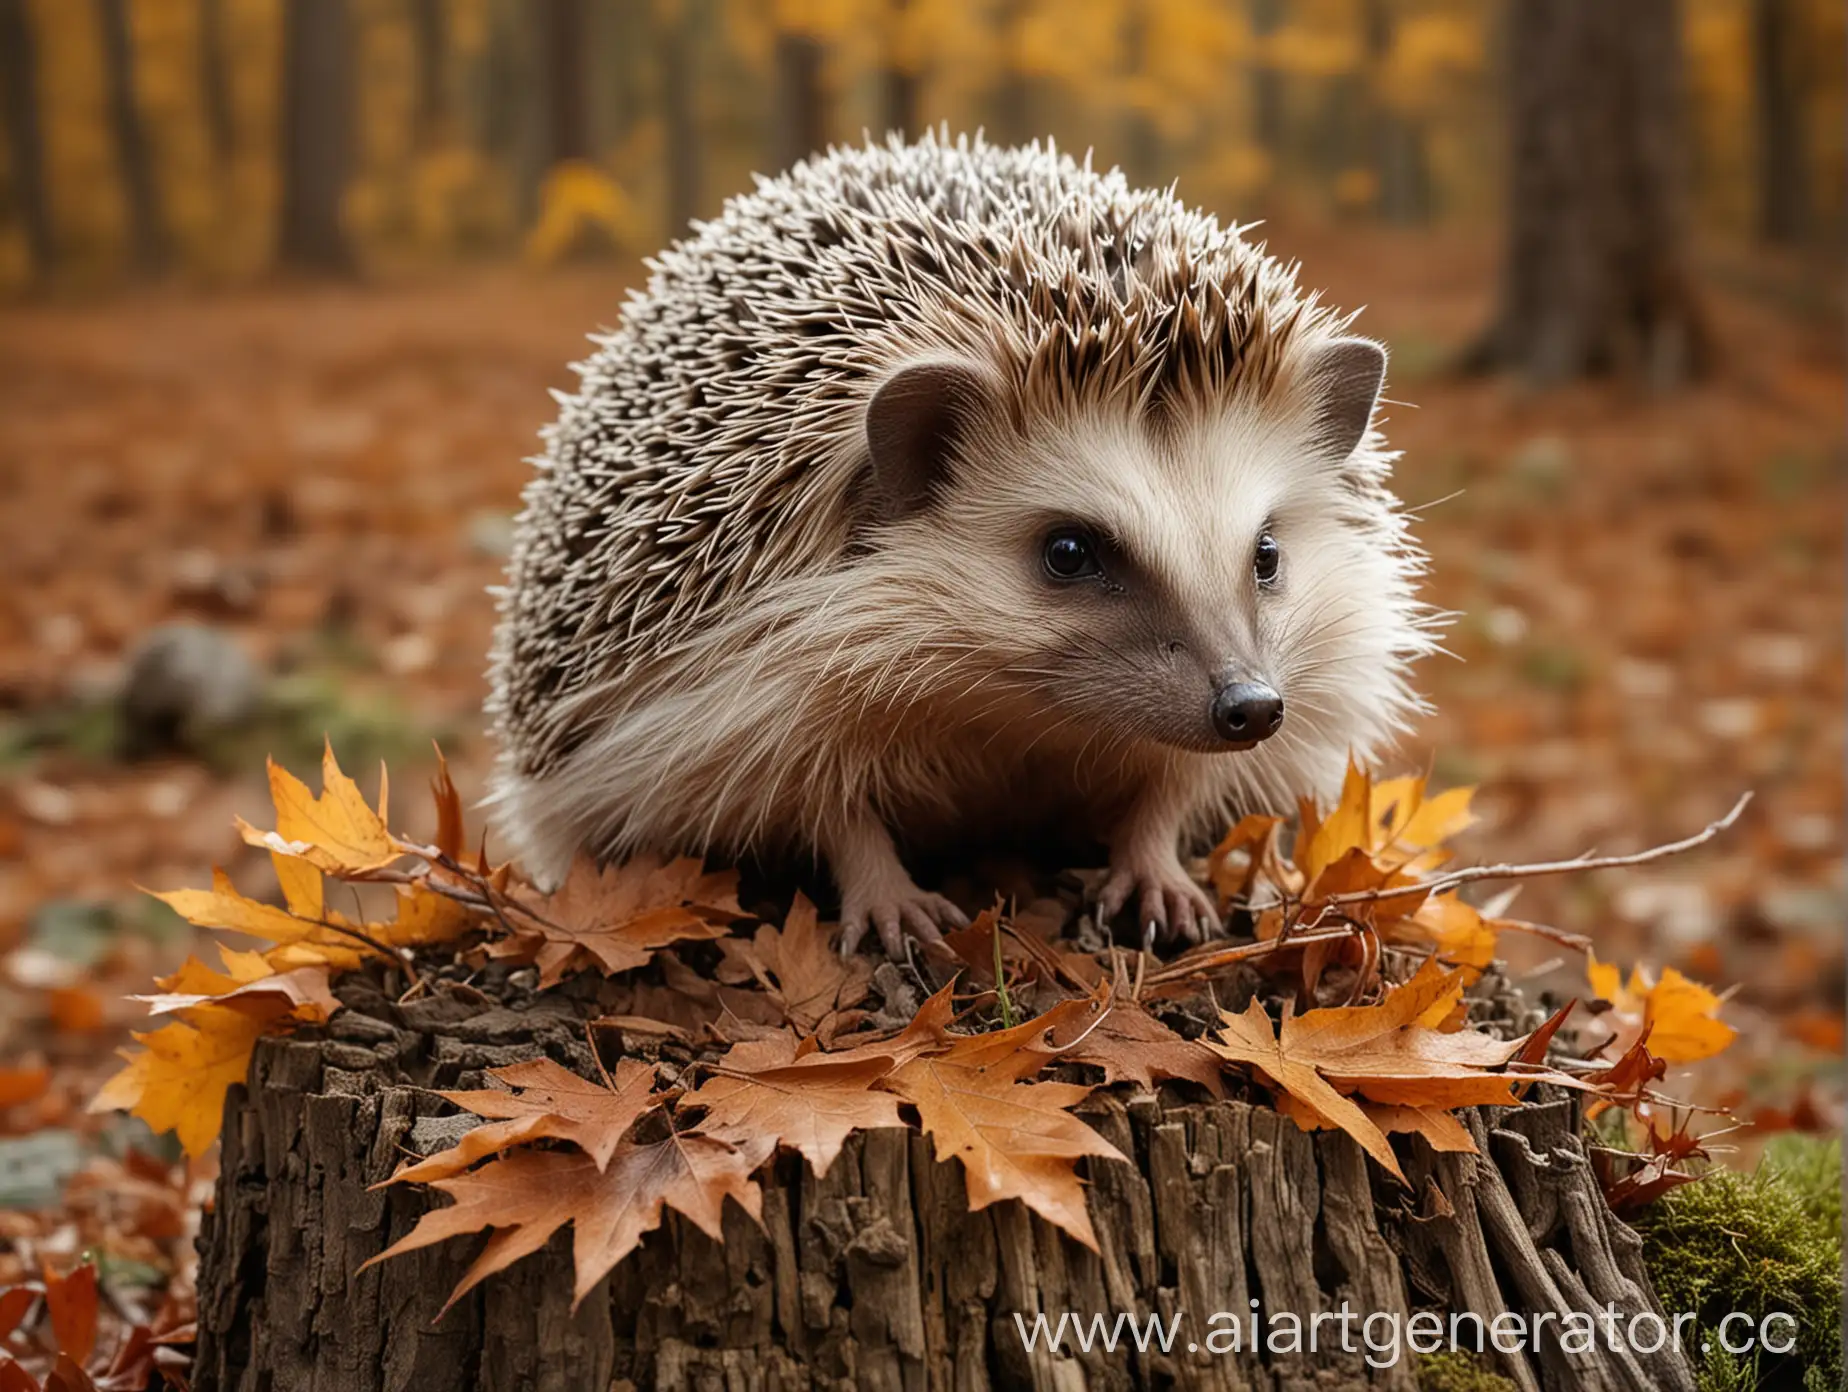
185,682
33,1168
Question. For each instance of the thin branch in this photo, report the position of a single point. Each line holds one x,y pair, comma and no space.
1551,867
1188,967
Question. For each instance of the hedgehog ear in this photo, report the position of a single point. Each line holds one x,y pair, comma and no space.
1344,383
914,423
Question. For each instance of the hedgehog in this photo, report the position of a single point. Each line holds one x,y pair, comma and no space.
940,487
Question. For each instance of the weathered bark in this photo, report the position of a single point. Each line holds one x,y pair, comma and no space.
1595,274
566,102
1778,56
317,135
801,124
679,114
19,110
876,1276
215,82
147,233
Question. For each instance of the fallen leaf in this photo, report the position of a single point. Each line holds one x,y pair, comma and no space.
302,992
528,1195
1016,1140
813,1109
813,980
19,1085
547,1101
70,1304
1440,1128
178,1079
1382,1052
618,916
337,832
1245,851
1132,1046
450,837
1679,1014
15,1303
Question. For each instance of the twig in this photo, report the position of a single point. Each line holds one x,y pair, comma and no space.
1551,867
1196,966
1578,942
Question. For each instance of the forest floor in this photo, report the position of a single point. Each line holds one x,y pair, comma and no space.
1650,591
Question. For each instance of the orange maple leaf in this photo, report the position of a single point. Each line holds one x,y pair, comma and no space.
528,1195
1678,1014
799,966
617,916
803,1101
1016,1140
1387,1053
547,1101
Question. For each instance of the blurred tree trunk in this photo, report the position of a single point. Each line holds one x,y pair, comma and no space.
801,103
566,103
1266,81
19,109
317,135
146,226
1142,149
1398,143
1013,122
679,117
215,82
899,81
1595,275
1778,93
430,41
511,128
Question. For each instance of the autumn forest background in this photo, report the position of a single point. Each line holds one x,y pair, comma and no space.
284,283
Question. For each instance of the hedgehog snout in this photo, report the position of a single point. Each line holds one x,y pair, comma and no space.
1245,712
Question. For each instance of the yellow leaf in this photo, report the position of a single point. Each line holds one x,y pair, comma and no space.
223,907
424,917
178,1080
337,832
1678,1012
1348,827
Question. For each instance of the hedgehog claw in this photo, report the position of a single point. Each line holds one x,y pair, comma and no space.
913,911
1170,906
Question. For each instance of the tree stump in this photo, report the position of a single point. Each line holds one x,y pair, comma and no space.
877,1276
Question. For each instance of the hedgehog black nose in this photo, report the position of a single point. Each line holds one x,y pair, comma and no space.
1246,712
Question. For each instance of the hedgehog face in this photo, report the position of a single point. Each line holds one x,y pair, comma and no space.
1191,581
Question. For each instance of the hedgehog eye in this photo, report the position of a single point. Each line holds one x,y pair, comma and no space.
1266,559
1070,554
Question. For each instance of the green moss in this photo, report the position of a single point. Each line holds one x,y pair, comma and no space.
1759,1244
1456,1371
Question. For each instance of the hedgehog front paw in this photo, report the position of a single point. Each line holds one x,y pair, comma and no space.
895,910
1169,904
